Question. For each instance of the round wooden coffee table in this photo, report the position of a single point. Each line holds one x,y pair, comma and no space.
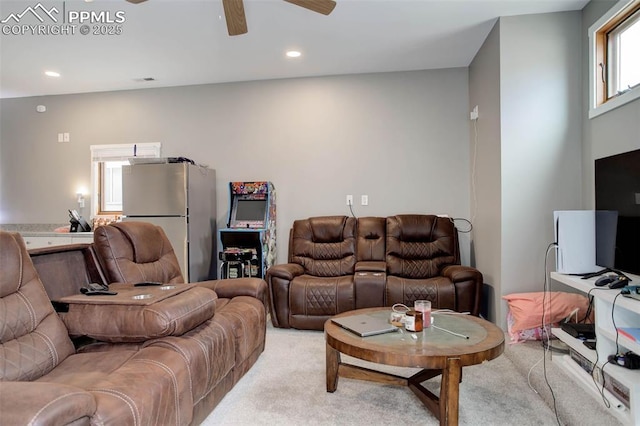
435,351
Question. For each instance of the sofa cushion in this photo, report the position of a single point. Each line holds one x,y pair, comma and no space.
420,246
247,317
135,252
221,347
324,246
33,403
209,350
371,239
320,298
439,290
146,387
33,340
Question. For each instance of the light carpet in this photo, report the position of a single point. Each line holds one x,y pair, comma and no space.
287,386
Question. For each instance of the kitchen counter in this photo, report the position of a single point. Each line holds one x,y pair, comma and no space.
47,239
37,235
55,234
38,239
23,228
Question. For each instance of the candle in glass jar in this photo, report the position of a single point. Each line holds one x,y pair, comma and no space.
424,306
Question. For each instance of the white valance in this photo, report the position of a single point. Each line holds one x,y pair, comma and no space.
122,152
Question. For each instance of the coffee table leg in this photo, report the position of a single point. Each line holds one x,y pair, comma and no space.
450,392
333,362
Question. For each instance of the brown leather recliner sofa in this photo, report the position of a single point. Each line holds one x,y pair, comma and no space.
168,359
340,263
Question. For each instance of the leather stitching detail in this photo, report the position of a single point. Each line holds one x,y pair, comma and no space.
174,382
34,419
135,413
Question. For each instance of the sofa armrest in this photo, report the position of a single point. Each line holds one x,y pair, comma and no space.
468,283
279,279
42,403
287,271
371,266
230,288
369,282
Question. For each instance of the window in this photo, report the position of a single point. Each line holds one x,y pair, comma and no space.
623,56
106,173
615,58
110,182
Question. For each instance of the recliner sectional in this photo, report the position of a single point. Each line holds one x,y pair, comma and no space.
166,358
340,263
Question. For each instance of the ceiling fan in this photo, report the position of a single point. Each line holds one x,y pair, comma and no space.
237,22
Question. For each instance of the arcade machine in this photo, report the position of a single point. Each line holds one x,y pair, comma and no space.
248,244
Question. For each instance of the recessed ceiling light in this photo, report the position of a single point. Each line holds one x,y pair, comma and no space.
293,54
52,74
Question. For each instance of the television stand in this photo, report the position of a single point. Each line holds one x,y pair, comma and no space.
612,310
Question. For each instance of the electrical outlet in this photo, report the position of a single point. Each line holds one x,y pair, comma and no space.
364,200
349,200
474,113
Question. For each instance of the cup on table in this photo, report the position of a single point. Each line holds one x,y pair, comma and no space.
424,306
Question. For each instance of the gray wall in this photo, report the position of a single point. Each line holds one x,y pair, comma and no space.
486,203
533,137
541,140
401,138
536,144
608,134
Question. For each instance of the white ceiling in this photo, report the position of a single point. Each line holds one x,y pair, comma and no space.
184,42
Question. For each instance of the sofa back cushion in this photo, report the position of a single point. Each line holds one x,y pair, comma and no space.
324,246
371,239
419,246
134,252
33,340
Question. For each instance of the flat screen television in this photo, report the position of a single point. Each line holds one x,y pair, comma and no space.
617,202
248,211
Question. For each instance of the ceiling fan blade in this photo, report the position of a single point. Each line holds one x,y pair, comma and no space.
234,14
321,6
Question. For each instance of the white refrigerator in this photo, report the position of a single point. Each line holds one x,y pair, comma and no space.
181,198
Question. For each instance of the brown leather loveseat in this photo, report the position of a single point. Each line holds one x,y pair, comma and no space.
147,356
340,263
